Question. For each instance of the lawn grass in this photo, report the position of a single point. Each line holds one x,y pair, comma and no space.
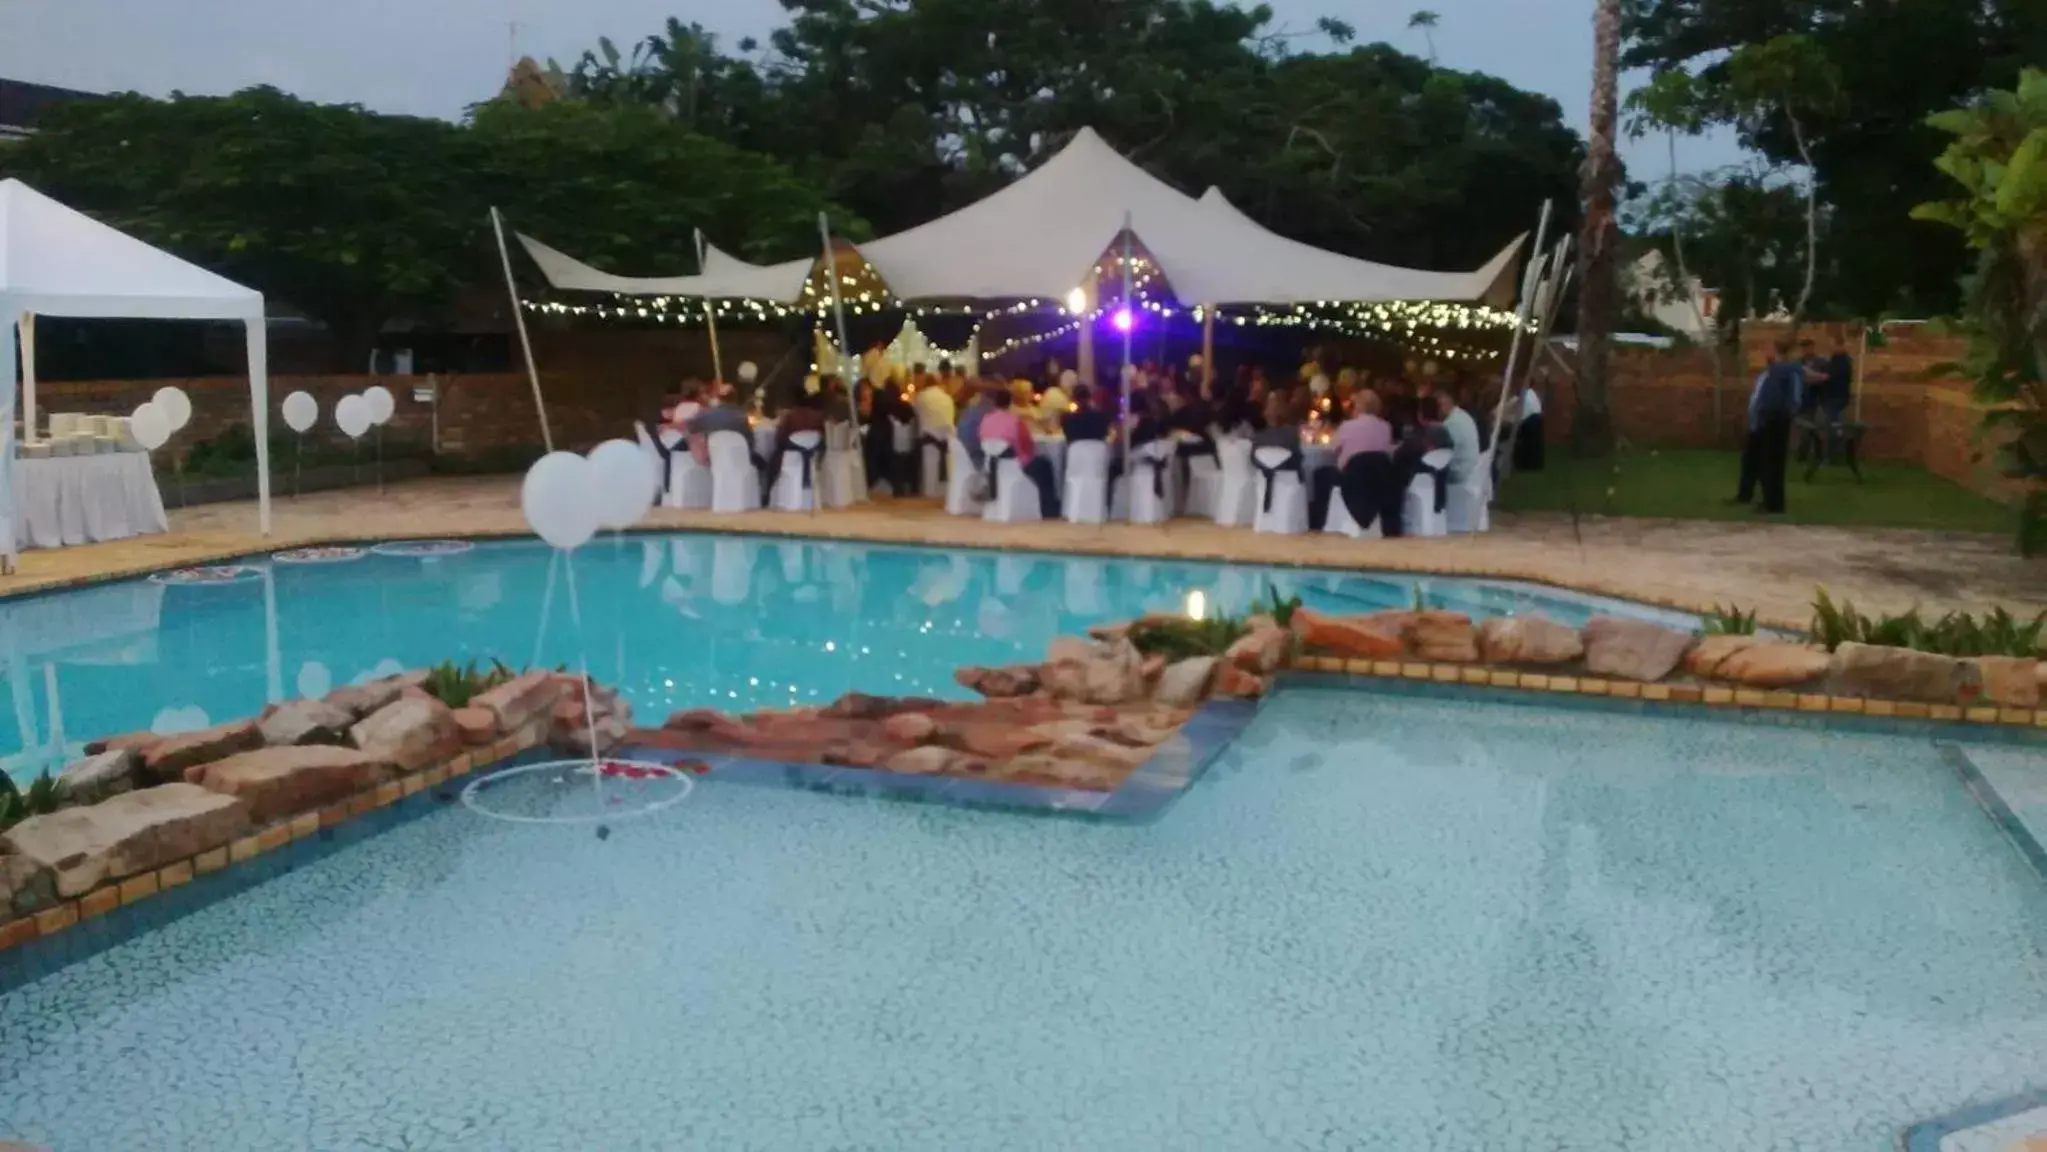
1696,484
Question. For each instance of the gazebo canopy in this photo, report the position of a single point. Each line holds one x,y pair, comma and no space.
55,261
1038,237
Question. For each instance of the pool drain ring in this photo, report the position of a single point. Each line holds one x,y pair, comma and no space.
631,770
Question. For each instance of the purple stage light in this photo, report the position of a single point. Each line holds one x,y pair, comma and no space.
1124,321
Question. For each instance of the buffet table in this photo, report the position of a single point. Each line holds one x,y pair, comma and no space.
62,500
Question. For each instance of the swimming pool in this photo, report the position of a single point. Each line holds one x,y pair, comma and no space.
1416,920
677,621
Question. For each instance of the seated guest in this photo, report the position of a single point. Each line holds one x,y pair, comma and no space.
934,404
1283,418
683,407
1086,421
721,415
806,415
1002,423
1145,427
1053,405
886,409
978,408
1465,445
838,406
1364,432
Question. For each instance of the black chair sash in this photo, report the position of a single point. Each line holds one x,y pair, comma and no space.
1442,478
1187,450
809,456
929,440
667,456
1292,464
1158,465
994,467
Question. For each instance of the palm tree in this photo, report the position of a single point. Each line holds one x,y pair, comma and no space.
1426,21
1599,242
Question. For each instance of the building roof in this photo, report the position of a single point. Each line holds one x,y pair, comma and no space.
22,104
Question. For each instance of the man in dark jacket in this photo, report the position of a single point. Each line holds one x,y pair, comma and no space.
1779,392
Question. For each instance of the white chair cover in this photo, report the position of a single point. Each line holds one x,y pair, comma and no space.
959,490
932,446
1418,507
1285,508
1466,504
1087,482
844,478
1151,482
735,486
1204,484
1236,502
1013,496
795,490
1340,522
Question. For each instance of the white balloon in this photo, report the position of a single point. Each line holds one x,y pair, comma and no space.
748,370
352,416
381,403
625,482
150,427
301,411
559,498
174,404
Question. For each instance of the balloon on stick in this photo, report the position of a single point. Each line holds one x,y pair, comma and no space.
559,498
174,404
301,411
352,416
381,403
150,427
748,371
625,481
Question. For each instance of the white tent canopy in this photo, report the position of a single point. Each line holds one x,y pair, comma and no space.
58,262
1039,236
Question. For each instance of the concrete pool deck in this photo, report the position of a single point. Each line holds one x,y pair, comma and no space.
1691,565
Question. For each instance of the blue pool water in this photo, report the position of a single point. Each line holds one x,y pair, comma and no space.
1384,922
678,621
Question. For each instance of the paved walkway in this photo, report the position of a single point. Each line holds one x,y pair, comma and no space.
1683,564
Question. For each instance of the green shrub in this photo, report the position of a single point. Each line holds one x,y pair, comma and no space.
1178,640
456,685
1281,611
1728,621
1998,633
16,805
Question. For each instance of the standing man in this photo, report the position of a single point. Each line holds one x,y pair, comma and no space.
1779,392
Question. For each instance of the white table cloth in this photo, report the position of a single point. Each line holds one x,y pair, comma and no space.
65,500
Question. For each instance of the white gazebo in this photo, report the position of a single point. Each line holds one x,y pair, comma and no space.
58,262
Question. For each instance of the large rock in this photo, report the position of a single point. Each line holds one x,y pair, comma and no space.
932,760
1236,684
477,725
1773,664
1535,640
2013,681
1632,649
95,778
130,833
411,732
1115,674
521,700
910,727
1355,637
1901,674
165,761
1074,648
861,706
1705,657
359,700
1185,683
994,740
137,742
279,782
1261,650
1444,636
1101,753
999,683
306,722
26,887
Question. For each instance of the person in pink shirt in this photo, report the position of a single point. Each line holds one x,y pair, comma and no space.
1004,424
1365,431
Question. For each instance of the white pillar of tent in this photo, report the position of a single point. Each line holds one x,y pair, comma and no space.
1208,349
259,408
28,375
8,551
710,316
1084,355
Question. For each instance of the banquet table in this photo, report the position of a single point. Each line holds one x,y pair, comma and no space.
63,500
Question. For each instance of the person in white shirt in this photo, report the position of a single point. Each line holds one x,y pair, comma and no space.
934,405
1463,432
1528,433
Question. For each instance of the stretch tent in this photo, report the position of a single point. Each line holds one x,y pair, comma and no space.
1039,236
57,262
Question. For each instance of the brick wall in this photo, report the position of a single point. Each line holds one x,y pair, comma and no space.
1916,413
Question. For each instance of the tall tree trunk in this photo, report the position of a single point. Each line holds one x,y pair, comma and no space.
1599,243
1812,220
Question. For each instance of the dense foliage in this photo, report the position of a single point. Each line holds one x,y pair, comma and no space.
1890,65
1999,158
1997,633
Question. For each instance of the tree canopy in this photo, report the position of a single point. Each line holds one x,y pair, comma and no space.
1893,64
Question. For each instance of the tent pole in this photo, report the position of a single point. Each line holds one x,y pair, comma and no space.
1084,345
1521,314
1208,348
9,514
710,318
259,412
497,224
28,375
1127,289
845,349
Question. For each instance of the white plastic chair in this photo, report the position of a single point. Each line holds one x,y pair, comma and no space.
933,444
735,486
959,490
844,469
1087,482
1151,482
1282,497
795,490
1012,496
1340,522
1418,508
1236,502
652,454
1204,485
1466,506
688,483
